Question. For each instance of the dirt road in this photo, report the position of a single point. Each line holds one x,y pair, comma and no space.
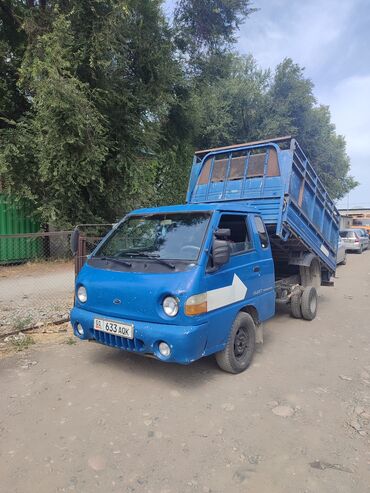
87,418
36,280
32,293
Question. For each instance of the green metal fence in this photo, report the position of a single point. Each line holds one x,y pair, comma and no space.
16,218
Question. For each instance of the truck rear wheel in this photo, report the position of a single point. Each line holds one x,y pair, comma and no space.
295,305
309,303
238,352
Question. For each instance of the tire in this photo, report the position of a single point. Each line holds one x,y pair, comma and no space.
238,352
344,261
309,303
359,251
295,305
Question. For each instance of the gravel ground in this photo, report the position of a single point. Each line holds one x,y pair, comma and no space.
35,294
88,418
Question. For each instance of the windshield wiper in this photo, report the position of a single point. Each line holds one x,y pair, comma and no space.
117,260
150,256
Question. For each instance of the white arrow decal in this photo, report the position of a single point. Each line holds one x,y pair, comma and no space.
227,295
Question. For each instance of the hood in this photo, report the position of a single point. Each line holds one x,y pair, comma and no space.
135,295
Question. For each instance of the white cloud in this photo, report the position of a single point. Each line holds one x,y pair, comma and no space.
302,31
349,101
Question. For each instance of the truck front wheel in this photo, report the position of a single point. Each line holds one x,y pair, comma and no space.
238,352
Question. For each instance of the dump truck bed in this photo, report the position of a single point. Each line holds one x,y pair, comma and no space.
276,178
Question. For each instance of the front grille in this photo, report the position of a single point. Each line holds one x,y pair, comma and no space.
118,342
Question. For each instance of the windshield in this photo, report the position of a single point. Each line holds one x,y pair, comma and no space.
176,236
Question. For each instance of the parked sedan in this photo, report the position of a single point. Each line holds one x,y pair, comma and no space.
365,227
365,236
341,252
353,240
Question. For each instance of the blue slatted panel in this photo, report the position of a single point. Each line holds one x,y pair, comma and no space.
294,201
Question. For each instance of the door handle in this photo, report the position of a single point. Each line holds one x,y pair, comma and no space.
256,268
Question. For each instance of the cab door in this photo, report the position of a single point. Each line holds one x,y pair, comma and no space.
265,266
236,283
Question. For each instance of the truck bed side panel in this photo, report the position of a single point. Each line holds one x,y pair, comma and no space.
310,214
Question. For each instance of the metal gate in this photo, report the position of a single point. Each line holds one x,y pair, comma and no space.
90,235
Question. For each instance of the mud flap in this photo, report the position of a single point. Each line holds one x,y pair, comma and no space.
259,333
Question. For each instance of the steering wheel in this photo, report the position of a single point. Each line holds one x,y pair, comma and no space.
190,249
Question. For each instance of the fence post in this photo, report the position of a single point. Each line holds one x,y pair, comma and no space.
81,254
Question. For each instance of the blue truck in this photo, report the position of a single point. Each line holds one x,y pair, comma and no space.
186,281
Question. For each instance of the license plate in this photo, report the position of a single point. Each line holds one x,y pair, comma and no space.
115,328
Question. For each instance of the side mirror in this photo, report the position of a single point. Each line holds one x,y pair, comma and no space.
221,247
75,236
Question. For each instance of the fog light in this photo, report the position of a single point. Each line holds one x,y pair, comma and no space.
80,330
164,349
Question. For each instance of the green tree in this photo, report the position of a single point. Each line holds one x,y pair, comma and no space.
66,132
100,78
248,104
102,103
12,44
209,25
231,108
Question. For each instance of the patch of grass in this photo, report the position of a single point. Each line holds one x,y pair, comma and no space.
71,341
22,343
21,323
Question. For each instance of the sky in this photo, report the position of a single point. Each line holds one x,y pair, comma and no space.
331,39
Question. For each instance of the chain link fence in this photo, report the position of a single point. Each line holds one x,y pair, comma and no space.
37,273
89,237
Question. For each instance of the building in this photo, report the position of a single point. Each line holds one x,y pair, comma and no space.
354,217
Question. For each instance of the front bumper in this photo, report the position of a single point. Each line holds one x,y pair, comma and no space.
188,343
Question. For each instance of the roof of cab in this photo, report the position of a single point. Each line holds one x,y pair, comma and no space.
220,206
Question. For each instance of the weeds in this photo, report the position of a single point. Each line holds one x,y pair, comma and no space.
21,323
22,343
71,341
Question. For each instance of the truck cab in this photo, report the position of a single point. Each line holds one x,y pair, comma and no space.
171,281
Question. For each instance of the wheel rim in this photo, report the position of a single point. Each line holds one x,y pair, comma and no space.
241,342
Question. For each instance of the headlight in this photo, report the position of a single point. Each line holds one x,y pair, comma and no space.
171,306
82,294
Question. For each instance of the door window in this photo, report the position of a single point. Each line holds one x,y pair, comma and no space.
262,233
240,240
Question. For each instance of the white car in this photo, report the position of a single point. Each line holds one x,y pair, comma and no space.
354,240
341,253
